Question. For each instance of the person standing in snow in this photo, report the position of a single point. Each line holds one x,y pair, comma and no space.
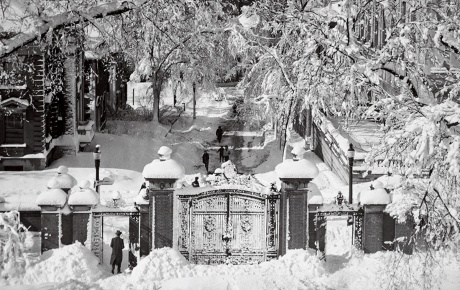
219,133
117,246
205,158
221,153
226,153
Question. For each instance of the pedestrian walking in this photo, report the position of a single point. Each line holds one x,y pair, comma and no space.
221,153
117,246
196,183
205,158
226,153
219,133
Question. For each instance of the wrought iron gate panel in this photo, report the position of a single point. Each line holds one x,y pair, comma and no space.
228,226
97,241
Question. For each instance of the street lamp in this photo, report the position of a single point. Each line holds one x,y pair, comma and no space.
97,163
351,156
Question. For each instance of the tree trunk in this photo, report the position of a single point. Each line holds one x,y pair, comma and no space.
156,103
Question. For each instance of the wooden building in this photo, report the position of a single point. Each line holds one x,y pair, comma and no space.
41,105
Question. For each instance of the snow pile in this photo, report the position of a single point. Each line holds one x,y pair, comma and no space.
72,262
302,168
391,182
376,196
55,196
167,269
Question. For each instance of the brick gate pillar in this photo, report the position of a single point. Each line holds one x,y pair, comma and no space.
374,203
295,175
161,175
51,202
81,201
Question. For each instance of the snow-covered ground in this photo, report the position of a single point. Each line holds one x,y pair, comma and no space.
123,158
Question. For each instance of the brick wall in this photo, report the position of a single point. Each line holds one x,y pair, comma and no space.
297,220
163,219
67,229
80,227
373,228
38,97
50,231
31,220
70,95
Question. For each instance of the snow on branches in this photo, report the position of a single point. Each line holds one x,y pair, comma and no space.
14,240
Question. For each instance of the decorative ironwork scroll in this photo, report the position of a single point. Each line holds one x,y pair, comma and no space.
358,230
97,242
228,226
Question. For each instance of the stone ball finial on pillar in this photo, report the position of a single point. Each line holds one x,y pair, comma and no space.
85,197
63,180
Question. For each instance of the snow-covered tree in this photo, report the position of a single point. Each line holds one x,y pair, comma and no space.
13,243
370,59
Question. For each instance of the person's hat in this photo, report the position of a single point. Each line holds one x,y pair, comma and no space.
118,233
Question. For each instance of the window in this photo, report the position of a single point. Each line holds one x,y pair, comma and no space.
14,124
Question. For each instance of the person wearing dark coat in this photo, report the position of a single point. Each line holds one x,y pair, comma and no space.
205,158
117,246
226,153
219,133
221,153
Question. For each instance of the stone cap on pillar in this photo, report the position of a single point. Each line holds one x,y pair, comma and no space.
84,196
377,196
52,199
296,168
163,169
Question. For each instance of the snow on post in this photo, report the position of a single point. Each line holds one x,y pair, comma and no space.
62,180
164,167
297,167
52,197
84,196
314,195
374,197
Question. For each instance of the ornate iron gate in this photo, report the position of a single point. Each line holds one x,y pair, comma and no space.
228,226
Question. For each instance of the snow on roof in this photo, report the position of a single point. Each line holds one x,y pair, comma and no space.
302,168
314,195
169,169
18,101
54,196
85,196
376,196
62,180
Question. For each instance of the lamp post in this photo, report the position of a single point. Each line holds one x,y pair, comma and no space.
97,163
351,156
